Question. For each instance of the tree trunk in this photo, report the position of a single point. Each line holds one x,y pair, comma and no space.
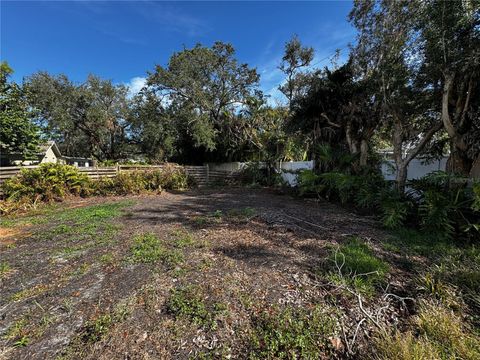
401,177
458,162
363,152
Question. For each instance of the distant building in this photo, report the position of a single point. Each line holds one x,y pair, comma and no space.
48,153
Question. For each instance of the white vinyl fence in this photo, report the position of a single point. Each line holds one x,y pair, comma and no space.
416,169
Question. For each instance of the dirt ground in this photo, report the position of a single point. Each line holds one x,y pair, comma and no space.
68,292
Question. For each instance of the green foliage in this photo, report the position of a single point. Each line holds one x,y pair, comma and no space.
18,134
46,183
203,85
360,259
441,203
447,205
292,334
139,181
255,173
309,183
190,302
395,210
86,119
55,182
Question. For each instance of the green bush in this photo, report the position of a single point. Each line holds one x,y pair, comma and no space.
439,203
51,182
447,205
309,183
256,174
46,183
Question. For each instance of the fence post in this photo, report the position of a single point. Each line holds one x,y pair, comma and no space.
208,174
117,170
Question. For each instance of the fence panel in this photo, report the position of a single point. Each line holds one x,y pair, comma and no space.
202,174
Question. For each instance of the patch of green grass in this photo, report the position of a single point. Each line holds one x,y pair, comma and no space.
81,270
200,220
69,252
94,214
359,258
97,328
189,302
107,259
17,332
413,242
30,292
359,266
211,218
241,213
217,214
147,248
182,238
438,333
4,269
292,334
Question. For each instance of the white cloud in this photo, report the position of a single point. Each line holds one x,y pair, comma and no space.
135,85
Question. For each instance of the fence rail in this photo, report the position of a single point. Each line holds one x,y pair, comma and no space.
202,174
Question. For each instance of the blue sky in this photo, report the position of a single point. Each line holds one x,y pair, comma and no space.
122,40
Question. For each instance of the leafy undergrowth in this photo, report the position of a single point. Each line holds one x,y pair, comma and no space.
293,333
153,279
189,302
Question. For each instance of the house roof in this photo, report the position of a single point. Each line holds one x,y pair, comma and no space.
49,144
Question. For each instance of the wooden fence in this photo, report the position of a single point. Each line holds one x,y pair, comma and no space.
202,175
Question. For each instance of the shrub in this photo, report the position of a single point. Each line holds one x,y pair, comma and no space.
448,205
46,183
309,183
257,174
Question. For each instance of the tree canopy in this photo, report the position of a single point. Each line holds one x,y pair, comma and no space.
18,134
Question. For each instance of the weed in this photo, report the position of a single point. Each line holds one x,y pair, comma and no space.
200,220
107,259
441,335
147,248
217,214
189,302
182,238
4,269
360,259
292,334
97,328
241,214
30,292
82,269
17,330
23,341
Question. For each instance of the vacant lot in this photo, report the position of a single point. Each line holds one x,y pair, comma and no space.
231,273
